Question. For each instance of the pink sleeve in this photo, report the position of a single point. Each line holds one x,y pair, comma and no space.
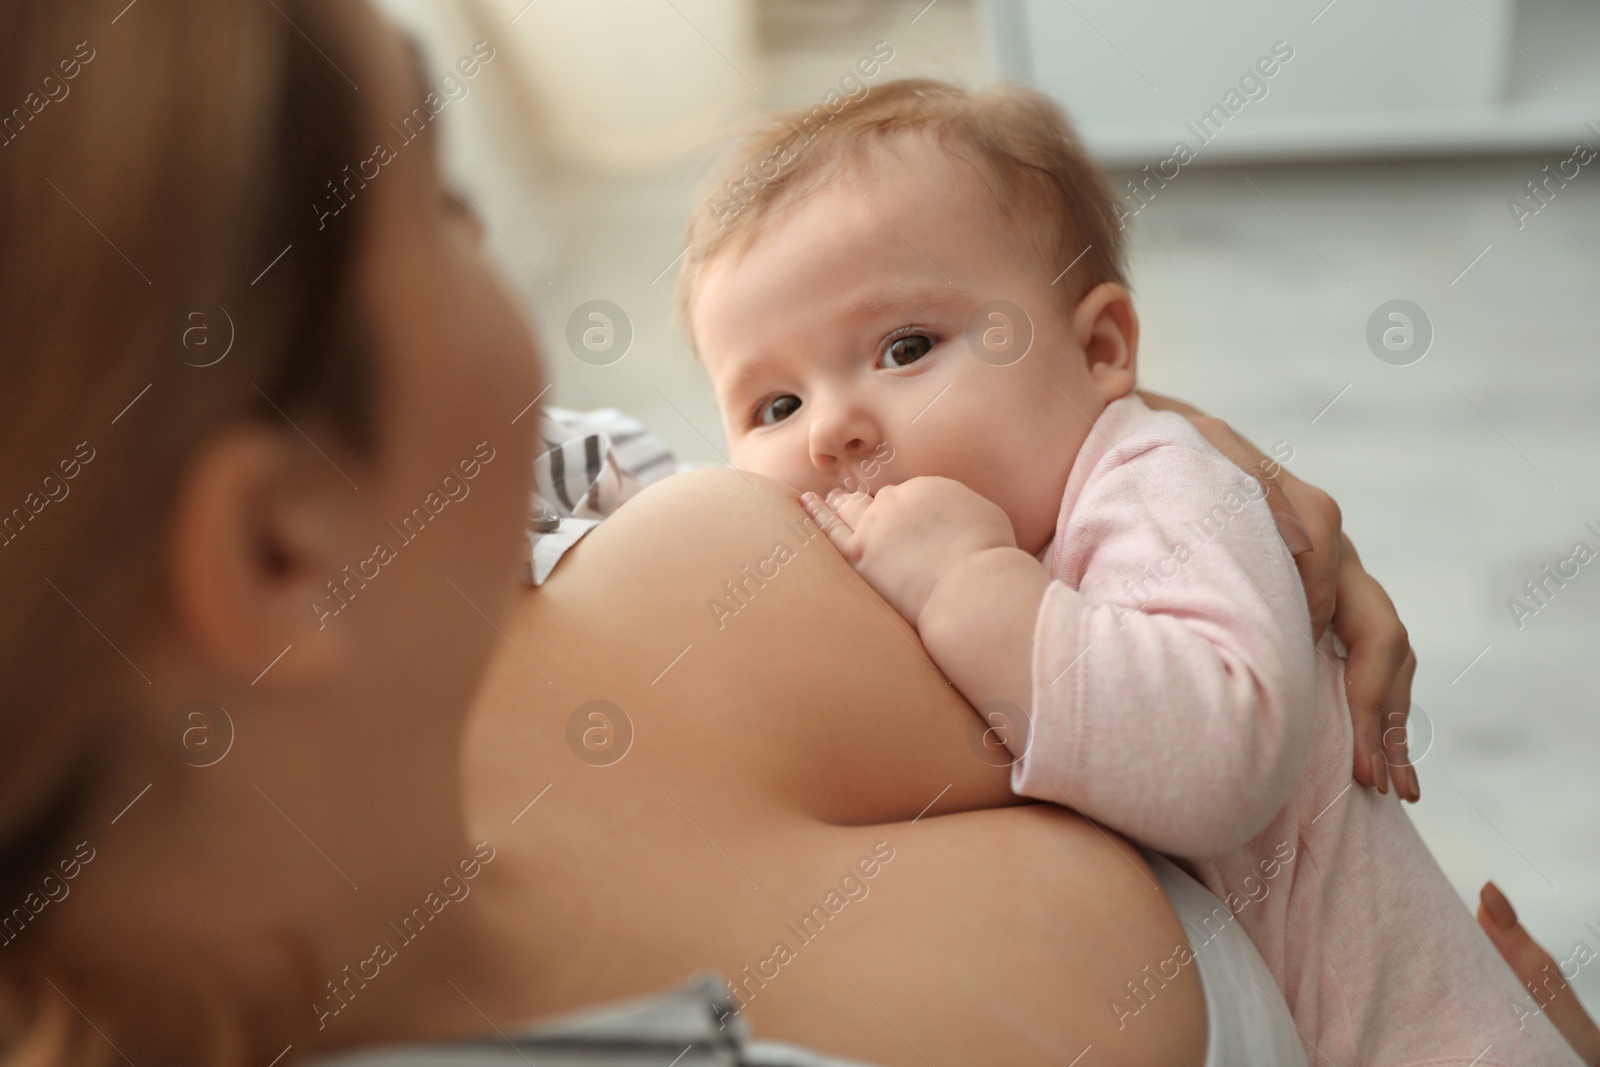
1172,690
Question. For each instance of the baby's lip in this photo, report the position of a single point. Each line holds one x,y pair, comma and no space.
846,489
853,480
832,494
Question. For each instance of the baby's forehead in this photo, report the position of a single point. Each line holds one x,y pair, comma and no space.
909,195
868,179
962,180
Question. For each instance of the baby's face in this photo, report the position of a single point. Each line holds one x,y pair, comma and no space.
838,343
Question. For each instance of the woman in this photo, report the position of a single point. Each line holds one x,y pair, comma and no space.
271,482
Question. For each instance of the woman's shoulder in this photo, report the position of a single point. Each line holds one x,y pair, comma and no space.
689,520
714,506
768,695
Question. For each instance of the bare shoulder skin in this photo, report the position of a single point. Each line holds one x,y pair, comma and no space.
776,752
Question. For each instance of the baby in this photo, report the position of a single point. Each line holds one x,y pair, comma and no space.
925,302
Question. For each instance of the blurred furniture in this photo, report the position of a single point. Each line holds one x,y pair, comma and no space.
1368,77
625,84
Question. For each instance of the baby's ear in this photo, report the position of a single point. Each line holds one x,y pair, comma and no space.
1107,329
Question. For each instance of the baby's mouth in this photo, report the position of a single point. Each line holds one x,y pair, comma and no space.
868,474
855,483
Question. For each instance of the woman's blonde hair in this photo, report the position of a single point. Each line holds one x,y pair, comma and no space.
1023,142
158,165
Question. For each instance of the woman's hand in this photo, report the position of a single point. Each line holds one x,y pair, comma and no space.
1340,593
1539,972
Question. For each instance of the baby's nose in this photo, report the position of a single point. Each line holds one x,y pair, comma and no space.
831,452
840,435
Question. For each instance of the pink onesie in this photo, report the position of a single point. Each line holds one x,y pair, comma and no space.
1178,699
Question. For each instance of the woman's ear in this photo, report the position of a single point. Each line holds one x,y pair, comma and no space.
254,538
1107,329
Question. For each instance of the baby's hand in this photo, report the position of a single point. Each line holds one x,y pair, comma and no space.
905,537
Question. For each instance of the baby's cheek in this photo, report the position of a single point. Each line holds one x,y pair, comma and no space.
771,462
1016,492
747,459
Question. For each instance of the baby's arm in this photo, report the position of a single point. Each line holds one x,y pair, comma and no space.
1170,693
1177,711
1173,688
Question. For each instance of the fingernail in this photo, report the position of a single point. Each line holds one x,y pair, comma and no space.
1498,907
1416,786
1380,777
1293,532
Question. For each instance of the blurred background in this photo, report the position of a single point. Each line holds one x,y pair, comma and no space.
1439,153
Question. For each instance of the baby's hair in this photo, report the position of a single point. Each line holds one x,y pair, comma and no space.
1024,145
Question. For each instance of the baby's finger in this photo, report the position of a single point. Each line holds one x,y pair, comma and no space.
829,522
850,507
1396,713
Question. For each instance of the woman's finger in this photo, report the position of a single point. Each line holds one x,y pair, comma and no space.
1291,527
1539,972
1220,436
1395,716
1378,647
1319,565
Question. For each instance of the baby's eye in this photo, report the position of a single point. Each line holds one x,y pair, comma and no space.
903,351
777,409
